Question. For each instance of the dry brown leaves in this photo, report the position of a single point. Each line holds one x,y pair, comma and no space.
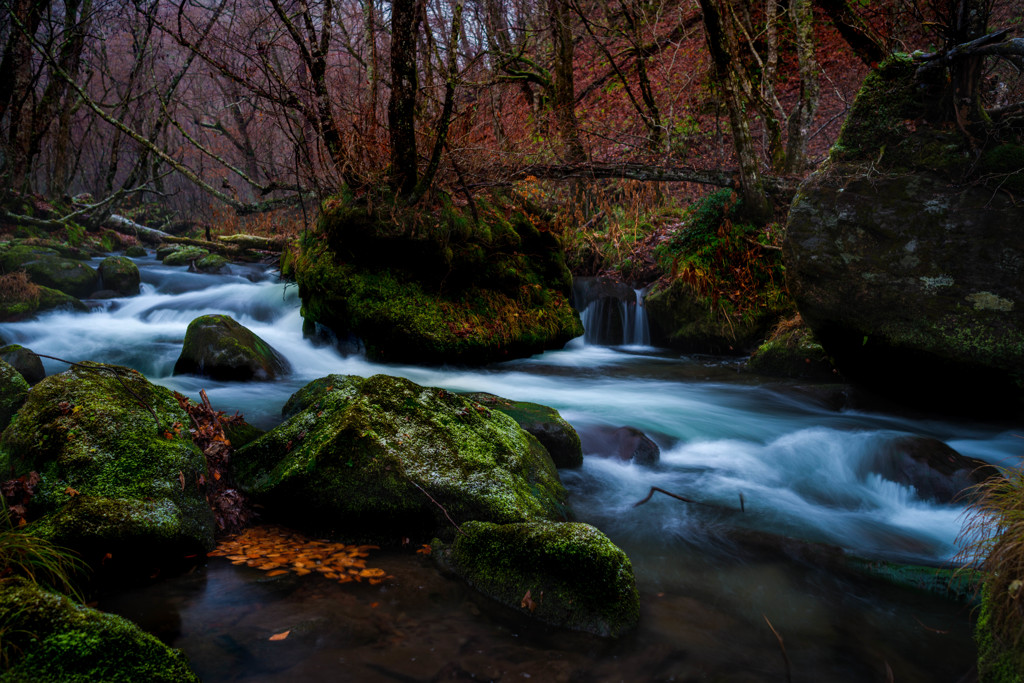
279,551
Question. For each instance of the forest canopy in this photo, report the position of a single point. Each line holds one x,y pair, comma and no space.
257,104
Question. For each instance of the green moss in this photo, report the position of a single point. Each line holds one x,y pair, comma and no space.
792,353
120,274
997,663
48,638
363,458
211,263
184,256
13,393
576,577
545,423
93,436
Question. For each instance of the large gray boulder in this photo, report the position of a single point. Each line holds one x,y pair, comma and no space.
906,260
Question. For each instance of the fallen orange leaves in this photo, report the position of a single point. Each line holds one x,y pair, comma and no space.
280,636
279,551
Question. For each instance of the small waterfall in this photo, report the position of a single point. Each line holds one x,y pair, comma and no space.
613,313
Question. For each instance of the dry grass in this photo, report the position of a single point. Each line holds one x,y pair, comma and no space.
288,223
16,287
993,541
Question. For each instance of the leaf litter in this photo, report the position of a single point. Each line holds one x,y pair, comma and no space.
278,551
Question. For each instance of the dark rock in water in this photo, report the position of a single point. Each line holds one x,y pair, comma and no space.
624,443
24,361
121,275
74,278
553,432
568,575
105,294
211,263
382,458
930,467
119,472
165,250
136,251
13,392
216,346
793,352
49,637
911,274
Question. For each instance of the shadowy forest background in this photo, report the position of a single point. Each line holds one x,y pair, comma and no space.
198,112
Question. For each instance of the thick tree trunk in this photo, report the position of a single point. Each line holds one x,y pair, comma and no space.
402,102
563,96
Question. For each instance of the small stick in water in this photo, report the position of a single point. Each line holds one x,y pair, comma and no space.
785,656
655,489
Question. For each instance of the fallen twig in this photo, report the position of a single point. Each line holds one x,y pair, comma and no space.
655,489
782,646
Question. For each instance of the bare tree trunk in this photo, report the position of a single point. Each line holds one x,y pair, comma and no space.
755,201
563,96
402,102
802,16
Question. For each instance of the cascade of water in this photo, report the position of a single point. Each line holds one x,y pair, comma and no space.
636,331
612,313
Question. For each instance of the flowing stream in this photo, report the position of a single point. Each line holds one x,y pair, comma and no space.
804,471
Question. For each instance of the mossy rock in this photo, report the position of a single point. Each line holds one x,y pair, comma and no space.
119,472
16,255
436,287
185,256
998,660
576,578
793,353
545,423
212,263
72,277
165,250
47,299
48,638
24,361
121,275
218,347
136,251
382,458
13,394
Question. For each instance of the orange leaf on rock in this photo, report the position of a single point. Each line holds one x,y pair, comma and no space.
280,636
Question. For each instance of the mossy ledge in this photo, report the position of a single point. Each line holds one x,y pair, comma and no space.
576,578
444,286
47,638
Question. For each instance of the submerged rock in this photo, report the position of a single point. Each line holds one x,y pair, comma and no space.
13,392
624,443
120,275
218,347
50,638
564,574
930,467
382,458
553,432
24,361
906,266
119,472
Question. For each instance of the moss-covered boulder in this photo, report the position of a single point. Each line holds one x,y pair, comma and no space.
185,256
434,287
119,472
121,275
13,393
136,251
212,263
792,351
381,458
24,361
550,428
216,346
74,278
165,250
564,574
28,298
905,257
48,638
